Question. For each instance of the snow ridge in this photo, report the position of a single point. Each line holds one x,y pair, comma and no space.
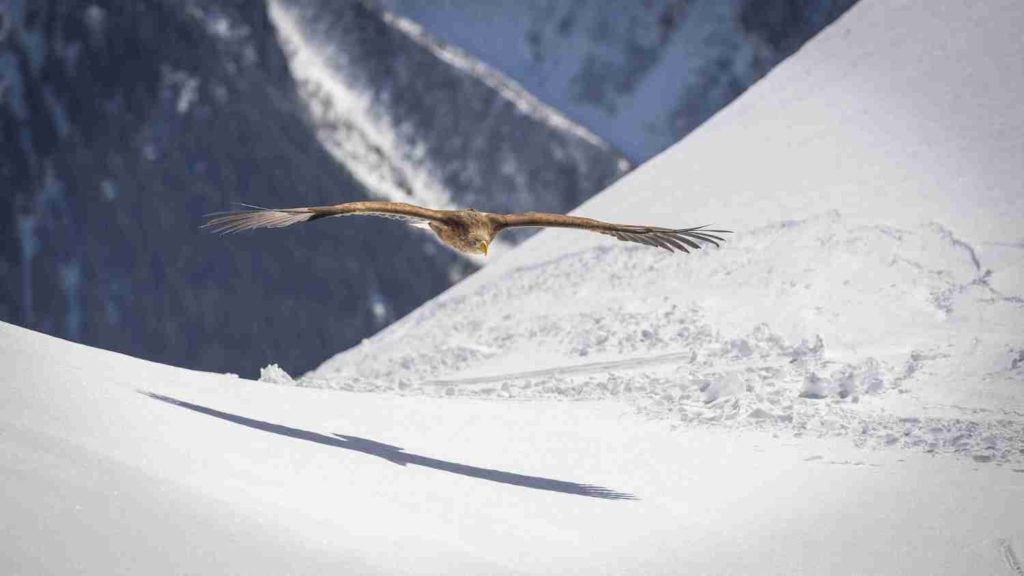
523,100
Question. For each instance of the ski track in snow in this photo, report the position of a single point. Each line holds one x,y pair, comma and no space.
633,332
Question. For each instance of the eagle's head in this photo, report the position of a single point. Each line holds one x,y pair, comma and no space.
468,232
479,243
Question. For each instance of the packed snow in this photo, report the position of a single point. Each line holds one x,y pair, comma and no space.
890,337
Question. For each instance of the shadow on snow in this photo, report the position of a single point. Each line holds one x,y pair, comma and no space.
396,455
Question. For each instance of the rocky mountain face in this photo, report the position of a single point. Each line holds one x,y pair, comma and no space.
123,123
415,119
638,74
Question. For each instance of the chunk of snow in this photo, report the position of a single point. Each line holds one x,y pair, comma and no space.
274,374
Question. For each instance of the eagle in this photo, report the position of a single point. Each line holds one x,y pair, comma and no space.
468,231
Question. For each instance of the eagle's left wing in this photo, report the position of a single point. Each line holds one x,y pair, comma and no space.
280,217
668,238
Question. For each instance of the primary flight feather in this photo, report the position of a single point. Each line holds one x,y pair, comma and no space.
467,231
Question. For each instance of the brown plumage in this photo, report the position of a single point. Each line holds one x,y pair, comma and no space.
467,231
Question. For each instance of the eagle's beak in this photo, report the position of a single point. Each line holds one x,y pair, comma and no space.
483,248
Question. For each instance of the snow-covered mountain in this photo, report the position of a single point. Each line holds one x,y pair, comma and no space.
122,124
835,391
639,74
872,288
416,120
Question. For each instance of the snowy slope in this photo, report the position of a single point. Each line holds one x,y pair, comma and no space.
116,465
639,74
872,290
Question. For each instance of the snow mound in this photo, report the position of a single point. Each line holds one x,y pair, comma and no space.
655,330
274,374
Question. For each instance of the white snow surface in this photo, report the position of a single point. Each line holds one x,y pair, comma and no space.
110,464
837,390
872,290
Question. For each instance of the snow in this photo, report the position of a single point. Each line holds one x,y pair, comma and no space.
182,86
274,374
835,390
831,349
134,466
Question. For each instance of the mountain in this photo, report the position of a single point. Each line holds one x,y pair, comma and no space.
640,75
835,390
418,120
122,124
871,289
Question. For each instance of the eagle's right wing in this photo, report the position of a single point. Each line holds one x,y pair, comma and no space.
668,238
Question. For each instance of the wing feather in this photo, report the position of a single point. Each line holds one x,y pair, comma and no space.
682,239
256,217
677,244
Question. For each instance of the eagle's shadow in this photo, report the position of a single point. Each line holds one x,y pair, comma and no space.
398,456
